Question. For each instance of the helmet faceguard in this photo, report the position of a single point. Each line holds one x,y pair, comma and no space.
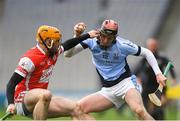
53,35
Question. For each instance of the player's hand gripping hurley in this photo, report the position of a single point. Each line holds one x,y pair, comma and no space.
156,96
11,110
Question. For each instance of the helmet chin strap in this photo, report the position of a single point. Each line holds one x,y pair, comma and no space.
51,53
44,42
51,44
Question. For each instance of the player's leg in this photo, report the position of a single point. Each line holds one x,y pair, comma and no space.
60,106
94,103
134,100
37,102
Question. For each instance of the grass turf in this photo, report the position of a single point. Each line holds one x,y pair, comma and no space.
112,114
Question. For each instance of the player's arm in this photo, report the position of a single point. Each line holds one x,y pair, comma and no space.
73,51
136,50
74,41
153,63
14,80
10,89
24,67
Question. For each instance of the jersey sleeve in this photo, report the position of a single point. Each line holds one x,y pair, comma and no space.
88,43
74,41
131,48
25,66
61,50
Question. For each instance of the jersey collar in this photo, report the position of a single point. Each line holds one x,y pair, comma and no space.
40,49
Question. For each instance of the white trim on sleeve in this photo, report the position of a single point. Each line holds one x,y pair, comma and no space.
25,66
73,51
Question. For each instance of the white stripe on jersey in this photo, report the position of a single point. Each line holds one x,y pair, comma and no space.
25,66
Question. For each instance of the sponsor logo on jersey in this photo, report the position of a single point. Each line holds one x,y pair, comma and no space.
115,56
46,74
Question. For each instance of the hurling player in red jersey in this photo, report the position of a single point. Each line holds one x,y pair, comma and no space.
27,92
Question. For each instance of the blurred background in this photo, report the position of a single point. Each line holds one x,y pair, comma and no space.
76,77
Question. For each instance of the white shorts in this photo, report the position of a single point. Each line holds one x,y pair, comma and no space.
117,92
19,108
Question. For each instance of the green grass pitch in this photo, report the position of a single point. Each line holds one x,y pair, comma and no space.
112,114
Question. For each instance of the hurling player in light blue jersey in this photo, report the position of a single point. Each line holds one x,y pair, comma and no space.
109,53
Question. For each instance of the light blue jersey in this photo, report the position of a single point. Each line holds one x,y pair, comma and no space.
111,62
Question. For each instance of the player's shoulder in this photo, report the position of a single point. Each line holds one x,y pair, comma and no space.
122,40
32,55
31,51
90,41
26,62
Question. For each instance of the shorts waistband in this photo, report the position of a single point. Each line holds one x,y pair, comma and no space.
106,83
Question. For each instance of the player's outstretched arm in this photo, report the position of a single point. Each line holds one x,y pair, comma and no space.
153,63
74,41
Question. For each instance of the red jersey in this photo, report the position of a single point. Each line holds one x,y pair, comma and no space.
36,68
